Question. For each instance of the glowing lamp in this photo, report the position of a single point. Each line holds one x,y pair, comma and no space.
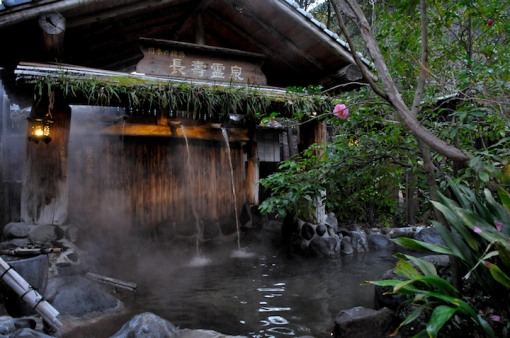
40,129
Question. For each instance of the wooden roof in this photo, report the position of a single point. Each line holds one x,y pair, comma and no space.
105,34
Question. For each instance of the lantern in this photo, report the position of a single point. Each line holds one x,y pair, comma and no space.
40,129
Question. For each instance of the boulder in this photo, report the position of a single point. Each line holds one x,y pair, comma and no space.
16,230
345,246
321,229
307,231
46,233
379,241
359,241
325,246
429,235
362,322
9,325
77,296
147,325
29,333
381,300
331,221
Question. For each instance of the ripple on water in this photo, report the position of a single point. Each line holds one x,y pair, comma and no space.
199,261
242,253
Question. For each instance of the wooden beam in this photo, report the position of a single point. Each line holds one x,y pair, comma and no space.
349,73
205,132
13,16
252,170
132,7
189,16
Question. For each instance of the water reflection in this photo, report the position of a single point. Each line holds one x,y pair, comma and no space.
261,296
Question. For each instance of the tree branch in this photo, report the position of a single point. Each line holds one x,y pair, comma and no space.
354,12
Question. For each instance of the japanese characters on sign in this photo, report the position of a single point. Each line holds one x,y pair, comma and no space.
198,68
177,59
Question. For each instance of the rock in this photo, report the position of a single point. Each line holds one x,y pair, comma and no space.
381,300
429,235
307,231
362,322
29,333
379,241
353,227
77,296
323,247
321,229
438,260
16,230
34,271
46,233
15,243
359,241
147,325
331,221
299,245
345,246
385,230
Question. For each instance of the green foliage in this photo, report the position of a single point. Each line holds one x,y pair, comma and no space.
214,100
360,169
479,238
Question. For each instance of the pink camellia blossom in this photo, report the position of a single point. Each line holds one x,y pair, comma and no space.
498,226
341,111
477,230
490,22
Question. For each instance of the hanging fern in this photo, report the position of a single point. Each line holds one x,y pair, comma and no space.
217,101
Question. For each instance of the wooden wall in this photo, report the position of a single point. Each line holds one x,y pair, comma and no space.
147,184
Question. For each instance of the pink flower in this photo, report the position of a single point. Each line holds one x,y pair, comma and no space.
490,22
341,111
495,318
498,226
477,230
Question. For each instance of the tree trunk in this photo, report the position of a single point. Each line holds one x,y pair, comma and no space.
44,195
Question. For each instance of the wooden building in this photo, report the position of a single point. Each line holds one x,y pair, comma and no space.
141,102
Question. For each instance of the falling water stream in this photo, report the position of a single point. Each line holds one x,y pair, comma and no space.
191,183
225,137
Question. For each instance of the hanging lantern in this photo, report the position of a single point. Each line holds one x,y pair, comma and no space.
40,129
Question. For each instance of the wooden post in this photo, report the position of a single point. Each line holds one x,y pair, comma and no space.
53,26
44,195
253,170
310,133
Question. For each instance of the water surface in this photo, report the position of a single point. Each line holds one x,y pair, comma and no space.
256,294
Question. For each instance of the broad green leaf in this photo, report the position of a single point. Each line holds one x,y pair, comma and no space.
439,317
484,176
421,246
403,268
455,221
504,252
456,244
486,327
416,313
440,284
426,267
498,275
464,202
505,197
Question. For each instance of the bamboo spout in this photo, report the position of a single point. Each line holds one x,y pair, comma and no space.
216,125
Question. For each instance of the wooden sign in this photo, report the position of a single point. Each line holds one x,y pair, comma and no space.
190,61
